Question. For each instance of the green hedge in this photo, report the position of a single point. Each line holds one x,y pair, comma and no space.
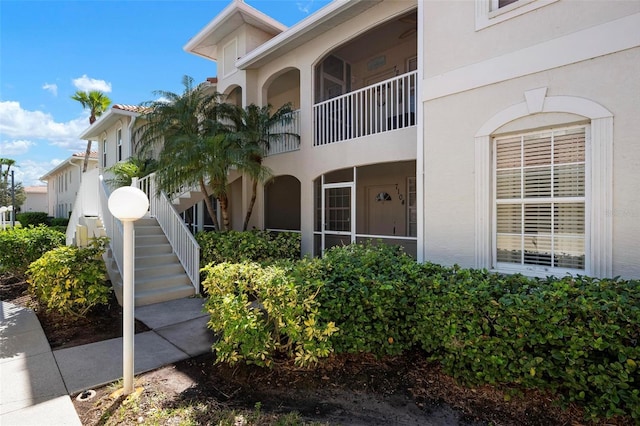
32,218
252,246
370,292
21,246
58,221
578,337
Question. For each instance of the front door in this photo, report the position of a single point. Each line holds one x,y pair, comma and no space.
384,211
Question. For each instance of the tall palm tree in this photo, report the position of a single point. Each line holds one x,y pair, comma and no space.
195,149
97,103
254,130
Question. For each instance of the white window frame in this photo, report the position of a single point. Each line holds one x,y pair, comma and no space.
104,152
533,269
599,175
487,12
119,144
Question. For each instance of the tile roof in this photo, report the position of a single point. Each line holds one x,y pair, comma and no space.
92,154
35,189
131,108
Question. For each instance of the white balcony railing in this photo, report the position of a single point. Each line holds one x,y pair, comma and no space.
382,107
287,142
182,241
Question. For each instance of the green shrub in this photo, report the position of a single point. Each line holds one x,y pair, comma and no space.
369,291
266,312
578,337
71,280
59,221
32,218
252,246
21,246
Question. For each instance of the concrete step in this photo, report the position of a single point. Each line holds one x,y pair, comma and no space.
156,260
148,230
163,295
143,273
151,250
162,282
146,221
151,240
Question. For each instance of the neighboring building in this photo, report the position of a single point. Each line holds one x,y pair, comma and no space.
63,183
479,132
36,200
113,132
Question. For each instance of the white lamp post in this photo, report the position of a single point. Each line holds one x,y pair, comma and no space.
128,204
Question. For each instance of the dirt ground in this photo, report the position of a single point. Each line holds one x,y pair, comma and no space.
346,389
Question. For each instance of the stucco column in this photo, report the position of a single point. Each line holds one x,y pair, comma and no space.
306,215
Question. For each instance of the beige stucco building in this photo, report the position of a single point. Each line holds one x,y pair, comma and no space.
36,201
497,134
63,183
491,134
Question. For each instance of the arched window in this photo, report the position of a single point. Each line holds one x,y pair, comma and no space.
543,198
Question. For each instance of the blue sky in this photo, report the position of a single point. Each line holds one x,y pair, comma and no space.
127,49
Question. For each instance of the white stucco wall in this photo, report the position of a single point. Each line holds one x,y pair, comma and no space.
36,201
452,121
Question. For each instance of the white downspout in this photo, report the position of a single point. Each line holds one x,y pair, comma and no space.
420,184
130,130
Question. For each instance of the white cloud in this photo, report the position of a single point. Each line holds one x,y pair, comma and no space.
17,122
53,88
16,147
87,84
305,7
29,172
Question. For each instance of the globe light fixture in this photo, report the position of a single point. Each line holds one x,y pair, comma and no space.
128,204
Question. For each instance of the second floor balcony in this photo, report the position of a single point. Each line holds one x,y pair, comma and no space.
382,107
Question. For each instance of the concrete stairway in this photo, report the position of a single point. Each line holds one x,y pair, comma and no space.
159,276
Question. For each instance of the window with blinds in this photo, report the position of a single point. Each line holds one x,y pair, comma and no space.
539,192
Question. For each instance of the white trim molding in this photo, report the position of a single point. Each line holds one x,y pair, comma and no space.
600,40
599,174
486,16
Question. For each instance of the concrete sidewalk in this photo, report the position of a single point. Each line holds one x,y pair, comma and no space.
36,382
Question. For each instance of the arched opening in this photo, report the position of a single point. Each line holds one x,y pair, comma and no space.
282,204
233,95
548,214
368,85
